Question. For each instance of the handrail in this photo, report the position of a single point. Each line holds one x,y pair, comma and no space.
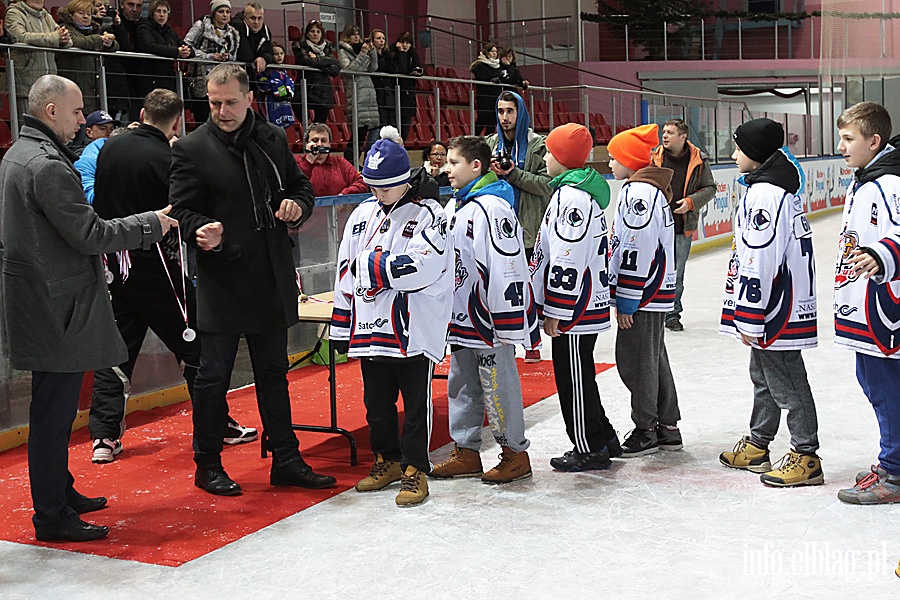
369,10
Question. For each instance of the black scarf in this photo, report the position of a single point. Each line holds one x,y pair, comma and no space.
262,174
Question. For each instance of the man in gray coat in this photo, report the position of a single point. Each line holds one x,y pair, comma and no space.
59,321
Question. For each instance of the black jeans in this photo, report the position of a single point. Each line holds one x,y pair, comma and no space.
54,404
268,355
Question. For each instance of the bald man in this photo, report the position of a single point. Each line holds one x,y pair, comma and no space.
59,320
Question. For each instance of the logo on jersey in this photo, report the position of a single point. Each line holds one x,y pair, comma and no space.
537,257
845,310
376,324
574,217
358,228
385,226
461,273
733,265
505,227
409,229
844,273
613,244
639,207
874,218
470,230
367,294
760,219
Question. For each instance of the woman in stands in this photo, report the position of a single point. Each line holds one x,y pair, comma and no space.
385,87
486,68
317,52
510,76
212,38
405,61
155,36
434,161
77,18
356,54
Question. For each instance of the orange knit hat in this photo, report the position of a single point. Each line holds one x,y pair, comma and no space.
570,145
632,147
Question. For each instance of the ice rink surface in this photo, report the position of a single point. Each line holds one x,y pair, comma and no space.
674,525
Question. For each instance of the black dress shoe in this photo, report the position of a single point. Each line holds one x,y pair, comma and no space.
297,473
216,481
70,530
83,504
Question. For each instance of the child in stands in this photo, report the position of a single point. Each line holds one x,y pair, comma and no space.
276,88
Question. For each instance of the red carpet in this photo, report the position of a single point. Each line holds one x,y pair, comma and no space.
155,513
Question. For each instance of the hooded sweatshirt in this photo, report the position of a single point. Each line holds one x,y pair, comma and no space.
866,311
642,254
770,289
492,297
393,290
570,264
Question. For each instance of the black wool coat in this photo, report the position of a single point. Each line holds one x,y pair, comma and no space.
248,284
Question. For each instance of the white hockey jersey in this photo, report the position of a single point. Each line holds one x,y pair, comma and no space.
867,311
770,288
642,248
398,303
493,302
570,264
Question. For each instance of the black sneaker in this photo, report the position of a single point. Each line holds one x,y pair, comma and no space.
613,447
574,461
669,437
674,325
640,442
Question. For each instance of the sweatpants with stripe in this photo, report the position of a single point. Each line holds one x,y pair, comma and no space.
383,380
579,398
643,365
879,378
486,380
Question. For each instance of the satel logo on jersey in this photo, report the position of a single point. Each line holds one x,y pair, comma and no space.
844,273
376,324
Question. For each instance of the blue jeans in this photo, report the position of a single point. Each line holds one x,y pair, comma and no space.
880,381
682,251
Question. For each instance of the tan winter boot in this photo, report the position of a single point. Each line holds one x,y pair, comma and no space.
513,466
462,463
382,474
413,487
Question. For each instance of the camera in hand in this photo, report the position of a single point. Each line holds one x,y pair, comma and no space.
319,149
106,23
367,41
504,159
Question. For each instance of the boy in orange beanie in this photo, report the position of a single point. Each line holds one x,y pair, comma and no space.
569,274
642,286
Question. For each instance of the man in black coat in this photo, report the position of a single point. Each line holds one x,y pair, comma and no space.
59,322
238,189
151,291
256,40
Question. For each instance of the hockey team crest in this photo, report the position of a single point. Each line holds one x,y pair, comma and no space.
505,227
844,273
639,207
760,219
461,273
574,217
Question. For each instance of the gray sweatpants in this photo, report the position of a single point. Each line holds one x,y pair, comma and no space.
643,365
486,379
780,383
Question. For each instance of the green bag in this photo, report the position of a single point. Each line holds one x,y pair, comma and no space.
321,357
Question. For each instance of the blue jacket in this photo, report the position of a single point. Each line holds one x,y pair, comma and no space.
87,167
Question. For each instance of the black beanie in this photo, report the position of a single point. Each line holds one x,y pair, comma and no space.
759,139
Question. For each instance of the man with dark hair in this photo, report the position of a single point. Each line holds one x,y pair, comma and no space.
238,189
693,187
255,46
329,174
59,322
148,287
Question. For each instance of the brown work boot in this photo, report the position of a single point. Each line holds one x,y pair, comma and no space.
382,474
413,487
462,463
513,466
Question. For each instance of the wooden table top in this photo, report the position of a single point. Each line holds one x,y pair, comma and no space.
317,308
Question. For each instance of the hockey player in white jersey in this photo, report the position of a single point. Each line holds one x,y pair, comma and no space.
867,286
642,286
493,311
570,277
770,306
393,295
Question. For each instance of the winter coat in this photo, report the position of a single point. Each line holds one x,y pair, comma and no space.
205,39
36,28
83,69
699,185
385,88
160,40
511,77
58,313
318,83
366,104
334,177
248,284
486,95
253,45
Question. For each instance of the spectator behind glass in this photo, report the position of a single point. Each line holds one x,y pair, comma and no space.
405,61
317,52
276,88
330,175
434,161
486,68
212,38
155,36
384,86
356,54
29,23
108,19
509,71
83,68
131,13
255,47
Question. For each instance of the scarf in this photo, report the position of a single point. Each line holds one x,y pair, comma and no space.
263,177
494,63
318,49
357,48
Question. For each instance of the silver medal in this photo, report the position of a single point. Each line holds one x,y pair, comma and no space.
189,335
109,276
